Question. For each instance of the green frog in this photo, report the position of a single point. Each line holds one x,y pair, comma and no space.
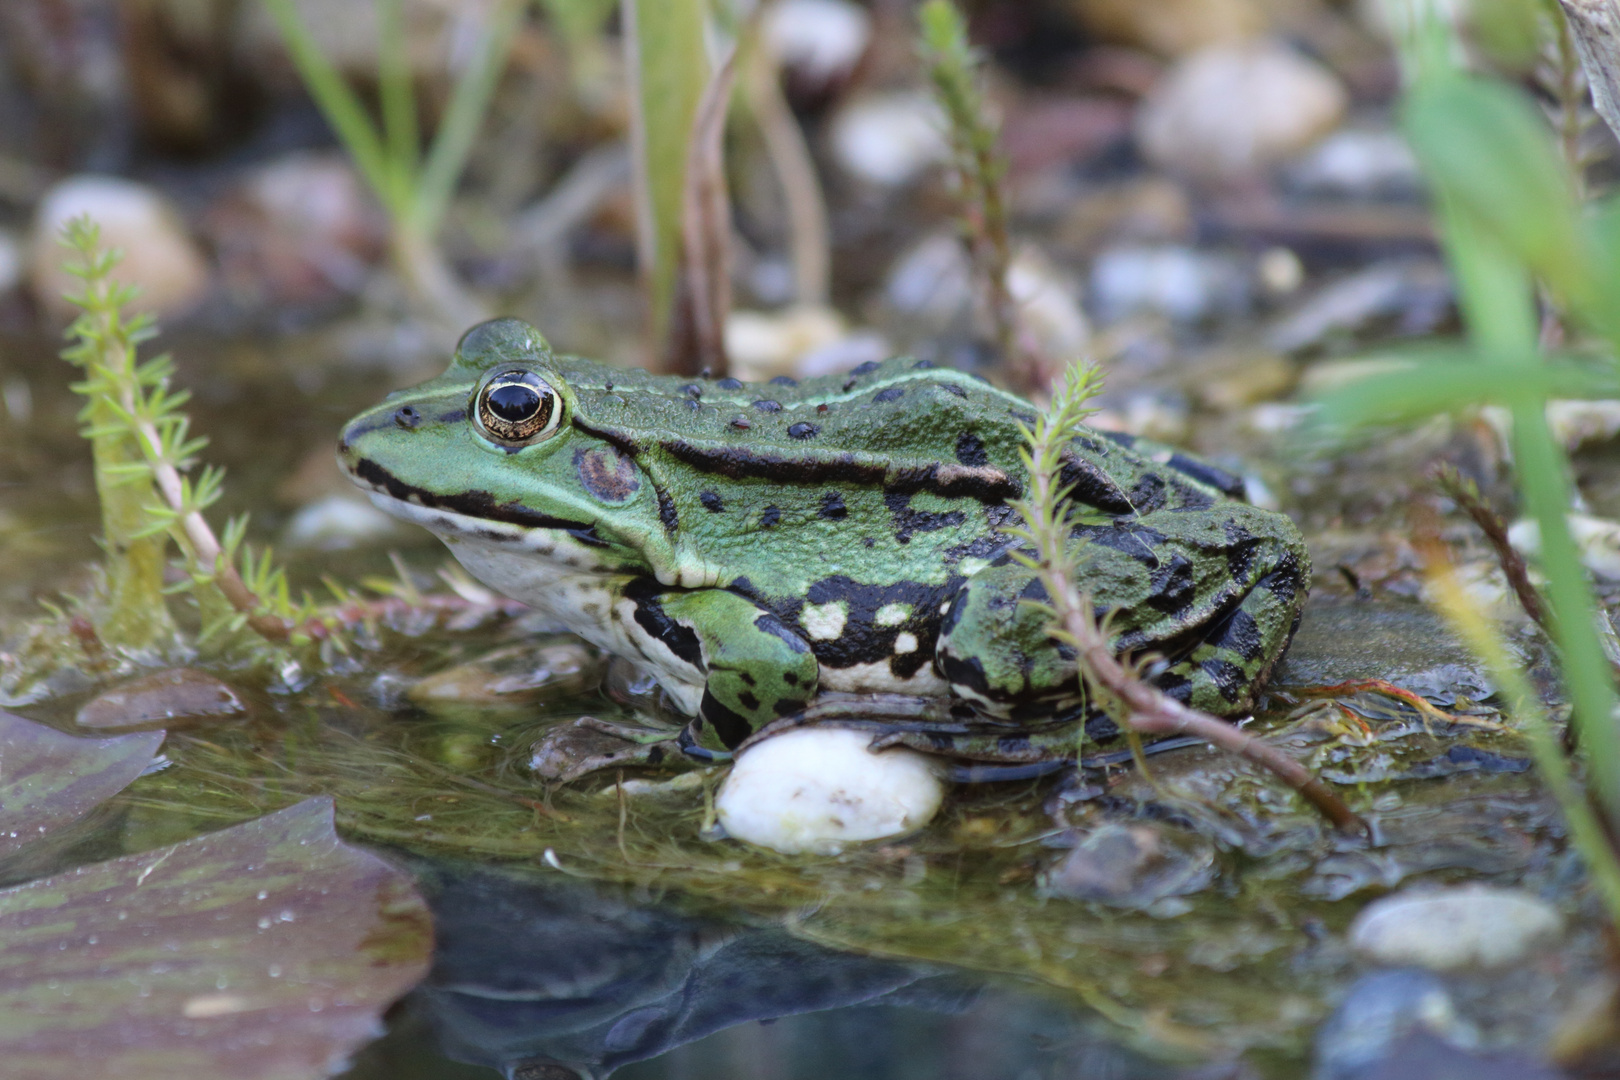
755,545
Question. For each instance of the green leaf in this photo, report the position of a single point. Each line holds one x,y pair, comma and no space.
1485,149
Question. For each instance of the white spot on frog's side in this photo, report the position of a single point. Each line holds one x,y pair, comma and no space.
905,642
971,565
879,679
824,622
819,789
892,614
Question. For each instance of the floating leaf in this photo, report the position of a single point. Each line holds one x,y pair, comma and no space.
48,779
265,951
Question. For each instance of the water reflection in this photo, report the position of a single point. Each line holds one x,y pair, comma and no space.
570,981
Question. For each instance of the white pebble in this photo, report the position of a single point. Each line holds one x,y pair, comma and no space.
159,256
890,139
817,790
1230,110
1448,929
819,39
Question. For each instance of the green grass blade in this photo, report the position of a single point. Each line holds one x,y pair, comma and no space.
462,119
398,96
668,70
337,102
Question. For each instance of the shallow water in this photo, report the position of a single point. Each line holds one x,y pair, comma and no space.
945,954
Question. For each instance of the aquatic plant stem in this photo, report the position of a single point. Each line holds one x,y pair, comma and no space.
1463,614
1111,685
1467,496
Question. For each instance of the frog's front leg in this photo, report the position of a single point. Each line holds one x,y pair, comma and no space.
751,667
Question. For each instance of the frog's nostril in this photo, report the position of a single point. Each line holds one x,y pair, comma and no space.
407,417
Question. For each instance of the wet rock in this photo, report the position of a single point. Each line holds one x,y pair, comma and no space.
1171,27
1596,539
1576,423
585,745
160,258
517,675
763,344
1380,1011
1048,304
1132,866
1177,282
890,139
1405,644
1421,1056
931,284
1358,163
177,695
818,42
337,523
1231,110
1404,296
818,790
1449,929
299,230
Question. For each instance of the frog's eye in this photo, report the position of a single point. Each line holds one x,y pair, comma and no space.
517,407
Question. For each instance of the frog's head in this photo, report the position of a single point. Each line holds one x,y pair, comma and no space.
486,453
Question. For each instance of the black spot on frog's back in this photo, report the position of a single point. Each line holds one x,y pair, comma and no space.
970,450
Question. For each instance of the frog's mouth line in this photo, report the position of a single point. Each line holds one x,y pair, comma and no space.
474,505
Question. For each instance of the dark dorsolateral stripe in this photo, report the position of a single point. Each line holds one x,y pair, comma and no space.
986,484
476,504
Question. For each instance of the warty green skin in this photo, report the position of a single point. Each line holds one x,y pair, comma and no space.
754,545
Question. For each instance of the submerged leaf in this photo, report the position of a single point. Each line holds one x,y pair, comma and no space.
48,779
267,950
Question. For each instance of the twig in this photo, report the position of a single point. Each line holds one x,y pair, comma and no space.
1467,496
1110,684
706,223
795,169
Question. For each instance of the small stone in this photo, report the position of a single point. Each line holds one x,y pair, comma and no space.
818,42
1380,1010
1450,929
1576,423
817,790
1180,283
1358,163
168,696
1048,304
159,257
300,229
1232,110
337,523
890,139
931,283
762,345
517,675
1596,539
1132,866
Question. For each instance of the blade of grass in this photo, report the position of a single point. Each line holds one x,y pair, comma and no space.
398,96
668,69
447,156
337,103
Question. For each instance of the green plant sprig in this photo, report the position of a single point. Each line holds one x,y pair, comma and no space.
979,171
1113,685
131,402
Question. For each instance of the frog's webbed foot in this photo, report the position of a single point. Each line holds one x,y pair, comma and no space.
978,747
586,745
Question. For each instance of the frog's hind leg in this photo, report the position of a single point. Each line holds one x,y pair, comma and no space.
1217,594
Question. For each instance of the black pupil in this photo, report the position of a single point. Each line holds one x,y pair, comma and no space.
513,402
